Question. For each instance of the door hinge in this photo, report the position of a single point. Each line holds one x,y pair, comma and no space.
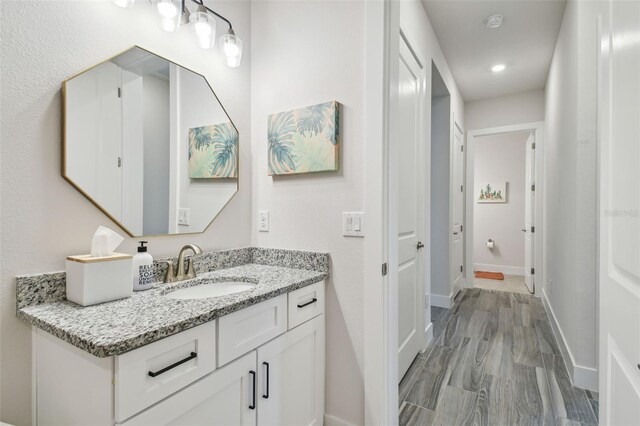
384,269
461,228
461,188
461,148
119,92
533,145
533,229
119,161
533,187
533,271
461,268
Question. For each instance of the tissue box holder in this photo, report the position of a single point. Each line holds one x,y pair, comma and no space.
93,280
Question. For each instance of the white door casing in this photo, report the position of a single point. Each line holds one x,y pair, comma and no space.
529,214
619,244
410,213
457,211
537,128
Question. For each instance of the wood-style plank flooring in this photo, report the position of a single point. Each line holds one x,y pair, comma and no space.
493,361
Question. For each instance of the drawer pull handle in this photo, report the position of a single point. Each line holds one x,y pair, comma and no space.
266,395
174,365
314,300
253,375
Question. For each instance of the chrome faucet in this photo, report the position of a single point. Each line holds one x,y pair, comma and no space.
180,274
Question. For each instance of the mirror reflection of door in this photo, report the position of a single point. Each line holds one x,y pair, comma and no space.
130,148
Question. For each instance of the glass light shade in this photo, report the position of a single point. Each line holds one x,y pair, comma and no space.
204,27
231,49
170,13
123,3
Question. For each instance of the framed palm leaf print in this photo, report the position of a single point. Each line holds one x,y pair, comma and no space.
213,151
304,140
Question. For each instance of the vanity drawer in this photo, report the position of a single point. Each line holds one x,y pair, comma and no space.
306,303
246,329
146,375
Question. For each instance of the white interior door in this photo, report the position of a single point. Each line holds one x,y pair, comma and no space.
529,214
411,192
457,212
94,142
619,113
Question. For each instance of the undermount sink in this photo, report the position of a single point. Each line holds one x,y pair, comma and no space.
217,289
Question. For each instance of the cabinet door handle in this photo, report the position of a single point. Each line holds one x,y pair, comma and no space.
174,365
253,404
314,300
266,395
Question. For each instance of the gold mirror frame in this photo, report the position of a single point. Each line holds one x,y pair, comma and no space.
94,202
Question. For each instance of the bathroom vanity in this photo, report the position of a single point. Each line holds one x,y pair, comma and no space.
251,357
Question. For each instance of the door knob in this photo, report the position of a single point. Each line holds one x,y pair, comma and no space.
420,245
524,230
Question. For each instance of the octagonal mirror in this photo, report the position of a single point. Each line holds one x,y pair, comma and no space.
147,141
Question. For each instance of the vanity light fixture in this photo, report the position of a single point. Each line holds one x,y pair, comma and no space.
498,67
123,3
174,13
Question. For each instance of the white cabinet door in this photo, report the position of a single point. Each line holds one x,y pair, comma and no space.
291,377
225,397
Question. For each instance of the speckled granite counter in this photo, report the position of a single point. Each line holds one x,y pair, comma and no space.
117,327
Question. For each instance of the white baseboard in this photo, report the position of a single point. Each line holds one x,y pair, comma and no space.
334,421
507,270
442,301
581,376
428,335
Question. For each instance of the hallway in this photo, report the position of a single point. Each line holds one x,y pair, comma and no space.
493,361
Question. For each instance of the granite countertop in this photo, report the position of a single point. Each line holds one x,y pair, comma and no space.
117,327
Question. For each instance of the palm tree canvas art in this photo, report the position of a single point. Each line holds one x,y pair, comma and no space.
304,140
496,193
213,151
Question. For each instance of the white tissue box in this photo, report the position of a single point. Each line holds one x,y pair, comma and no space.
92,280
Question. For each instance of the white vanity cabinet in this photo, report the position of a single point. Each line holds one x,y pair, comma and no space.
252,367
222,398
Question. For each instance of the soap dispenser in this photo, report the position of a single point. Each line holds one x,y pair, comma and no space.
144,275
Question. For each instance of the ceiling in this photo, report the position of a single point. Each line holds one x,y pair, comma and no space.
524,43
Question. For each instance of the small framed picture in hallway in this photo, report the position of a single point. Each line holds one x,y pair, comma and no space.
495,192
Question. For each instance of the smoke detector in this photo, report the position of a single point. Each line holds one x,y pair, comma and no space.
493,21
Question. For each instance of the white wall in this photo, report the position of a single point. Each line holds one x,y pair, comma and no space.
155,93
526,107
440,165
569,281
306,53
44,219
197,107
500,158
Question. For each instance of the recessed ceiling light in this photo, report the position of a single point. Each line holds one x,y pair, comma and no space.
498,67
493,21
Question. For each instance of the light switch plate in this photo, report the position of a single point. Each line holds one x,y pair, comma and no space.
353,224
183,216
263,221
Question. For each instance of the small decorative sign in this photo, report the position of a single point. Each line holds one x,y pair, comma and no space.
304,140
213,151
493,193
